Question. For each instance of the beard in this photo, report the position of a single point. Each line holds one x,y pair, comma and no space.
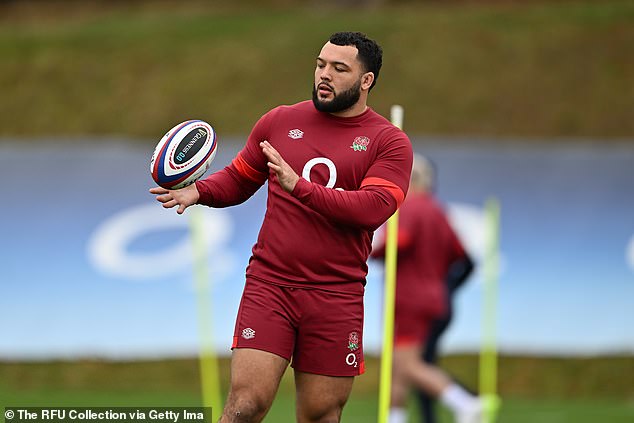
339,102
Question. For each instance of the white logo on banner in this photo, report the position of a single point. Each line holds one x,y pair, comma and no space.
108,247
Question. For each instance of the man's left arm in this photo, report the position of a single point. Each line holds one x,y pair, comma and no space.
381,193
458,272
461,265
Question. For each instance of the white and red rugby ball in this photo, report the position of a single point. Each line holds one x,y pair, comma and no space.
184,154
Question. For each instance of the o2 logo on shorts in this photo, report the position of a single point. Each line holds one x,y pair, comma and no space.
351,360
353,345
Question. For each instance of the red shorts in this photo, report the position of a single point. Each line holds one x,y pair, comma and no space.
321,330
411,325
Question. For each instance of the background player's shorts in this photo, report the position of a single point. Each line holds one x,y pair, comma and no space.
320,330
412,325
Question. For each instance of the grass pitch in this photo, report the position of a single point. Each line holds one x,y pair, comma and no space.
534,390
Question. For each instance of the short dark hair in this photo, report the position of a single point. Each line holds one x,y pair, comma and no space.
370,53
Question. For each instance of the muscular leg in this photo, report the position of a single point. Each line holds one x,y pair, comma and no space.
320,399
255,377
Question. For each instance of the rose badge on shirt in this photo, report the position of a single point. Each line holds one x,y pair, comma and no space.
360,144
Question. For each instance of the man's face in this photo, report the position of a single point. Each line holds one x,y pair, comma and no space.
338,77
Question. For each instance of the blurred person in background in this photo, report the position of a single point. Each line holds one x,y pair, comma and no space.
458,273
336,170
429,253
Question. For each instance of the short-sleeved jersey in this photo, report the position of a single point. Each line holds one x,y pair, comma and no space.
302,243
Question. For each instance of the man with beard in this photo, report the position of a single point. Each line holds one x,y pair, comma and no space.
336,170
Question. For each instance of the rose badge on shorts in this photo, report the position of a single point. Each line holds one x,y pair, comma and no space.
353,341
354,358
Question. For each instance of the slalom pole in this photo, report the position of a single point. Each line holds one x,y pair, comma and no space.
488,353
385,382
208,360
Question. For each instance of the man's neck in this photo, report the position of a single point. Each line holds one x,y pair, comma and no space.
356,110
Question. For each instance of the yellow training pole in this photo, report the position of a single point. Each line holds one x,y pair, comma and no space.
388,300
488,354
209,374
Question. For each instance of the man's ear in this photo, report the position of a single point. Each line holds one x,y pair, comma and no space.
366,80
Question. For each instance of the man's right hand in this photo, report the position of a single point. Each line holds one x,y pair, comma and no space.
182,198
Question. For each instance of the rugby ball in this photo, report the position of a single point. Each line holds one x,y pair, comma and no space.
184,154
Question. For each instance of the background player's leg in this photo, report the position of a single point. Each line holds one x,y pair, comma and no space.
399,391
424,376
430,356
320,399
433,380
255,377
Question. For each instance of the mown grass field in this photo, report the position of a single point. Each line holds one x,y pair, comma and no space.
522,69
534,390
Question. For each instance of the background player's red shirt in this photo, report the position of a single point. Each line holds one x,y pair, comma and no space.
427,246
355,172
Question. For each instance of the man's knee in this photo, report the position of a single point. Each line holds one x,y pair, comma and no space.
245,406
320,399
250,399
321,410
330,414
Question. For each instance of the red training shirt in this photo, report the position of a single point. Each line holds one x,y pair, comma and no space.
354,173
427,246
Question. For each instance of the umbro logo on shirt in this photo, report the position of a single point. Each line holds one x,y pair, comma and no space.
360,144
295,134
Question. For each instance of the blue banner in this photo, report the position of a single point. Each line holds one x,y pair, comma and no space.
92,265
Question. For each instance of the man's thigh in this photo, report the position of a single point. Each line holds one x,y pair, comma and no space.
255,376
321,398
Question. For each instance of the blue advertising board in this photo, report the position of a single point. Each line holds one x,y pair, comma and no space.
92,265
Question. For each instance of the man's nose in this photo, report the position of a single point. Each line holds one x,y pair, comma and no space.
325,74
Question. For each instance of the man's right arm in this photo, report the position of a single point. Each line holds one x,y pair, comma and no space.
230,186
244,176
233,185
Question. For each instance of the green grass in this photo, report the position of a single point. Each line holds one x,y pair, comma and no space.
360,408
538,69
534,390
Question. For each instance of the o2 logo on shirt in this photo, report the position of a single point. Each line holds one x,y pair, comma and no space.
332,170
